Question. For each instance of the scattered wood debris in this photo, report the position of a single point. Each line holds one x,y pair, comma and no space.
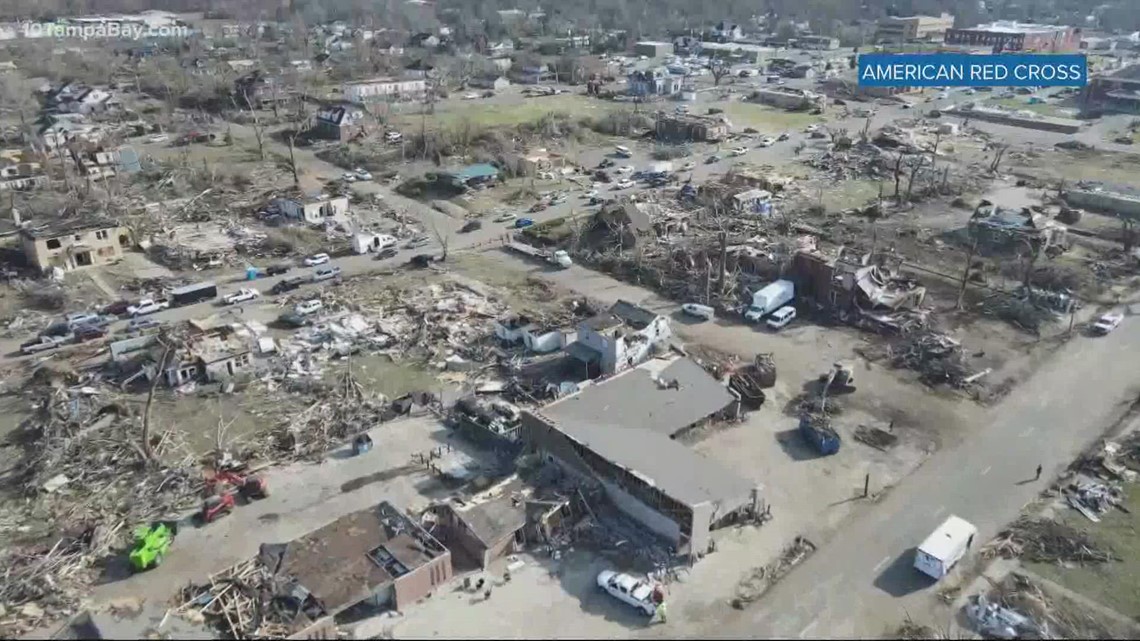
1047,541
760,579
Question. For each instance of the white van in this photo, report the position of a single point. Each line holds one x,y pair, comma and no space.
623,151
945,547
700,311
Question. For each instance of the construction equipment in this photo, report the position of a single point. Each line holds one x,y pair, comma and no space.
839,380
152,542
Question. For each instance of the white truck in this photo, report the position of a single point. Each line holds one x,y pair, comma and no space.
945,547
770,298
557,257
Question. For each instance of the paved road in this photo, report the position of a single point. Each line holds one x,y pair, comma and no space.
862,583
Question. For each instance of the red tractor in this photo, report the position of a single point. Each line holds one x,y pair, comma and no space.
223,490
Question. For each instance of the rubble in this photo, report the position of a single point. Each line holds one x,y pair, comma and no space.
1046,541
761,579
997,622
936,357
1094,499
875,437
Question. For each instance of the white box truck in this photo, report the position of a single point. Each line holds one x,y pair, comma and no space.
945,547
770,298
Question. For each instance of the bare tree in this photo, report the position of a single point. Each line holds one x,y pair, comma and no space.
999,153
258,128
443,237
719,70
147,450
898,176
934,147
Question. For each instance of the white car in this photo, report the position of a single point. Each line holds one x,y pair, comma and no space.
628,590
767,141
810,128
1107,323
943,96
326,273
317,259
348,177
241,296
624,184
362,174
158,138
393,136
306,307
699,311
504,218
689,166
906,105
739,151
471,96
626,169
781,317
147,306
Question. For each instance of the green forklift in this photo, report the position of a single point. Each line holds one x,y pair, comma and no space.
152,542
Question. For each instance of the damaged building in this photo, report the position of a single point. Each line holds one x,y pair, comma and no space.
998,226
379,557
503,520
690,128
623,336
850,281
75,243
619,433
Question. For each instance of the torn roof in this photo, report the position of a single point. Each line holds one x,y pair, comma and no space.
335,564
58,228
634,315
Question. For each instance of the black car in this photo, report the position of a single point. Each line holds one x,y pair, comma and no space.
89,332
117,308
471,225
292,320
287,285
277,270
386,253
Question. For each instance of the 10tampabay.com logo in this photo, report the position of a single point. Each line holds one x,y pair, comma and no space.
965,70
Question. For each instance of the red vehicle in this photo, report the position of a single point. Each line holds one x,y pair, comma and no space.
89,333
223,490
117,308
537,207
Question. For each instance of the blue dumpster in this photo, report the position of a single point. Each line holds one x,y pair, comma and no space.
817,431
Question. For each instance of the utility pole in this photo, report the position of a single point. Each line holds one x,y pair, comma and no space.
966,273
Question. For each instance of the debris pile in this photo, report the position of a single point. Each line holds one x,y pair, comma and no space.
1094,499
759,580
43,583
875,437
1056,616
239,603
936,357
997,622
1047,541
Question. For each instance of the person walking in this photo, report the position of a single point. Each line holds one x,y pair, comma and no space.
1038,477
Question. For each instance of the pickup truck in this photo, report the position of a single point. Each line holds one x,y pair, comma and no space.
148,306
558,257
241,296
43,343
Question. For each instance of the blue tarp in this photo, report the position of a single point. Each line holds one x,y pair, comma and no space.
471,172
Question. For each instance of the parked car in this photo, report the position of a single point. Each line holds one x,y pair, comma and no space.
1107,323
42,344
767,141
325,273
593,193
293,320
699,311
386,253
625,169
712,159
471,96
418,241
76,319
781,317
317,259
393,136
628,590
117,308
158,138
783,136
523,222
362,174
624,184
148,306
89,333
277,270
348,177
689,166
242,295
142,324
311,306
287,285
537,207
504,218
56,329
470,226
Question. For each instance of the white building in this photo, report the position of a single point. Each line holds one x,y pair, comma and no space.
385,89
622,337
313,209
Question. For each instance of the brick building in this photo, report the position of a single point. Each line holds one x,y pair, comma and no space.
1014,36
910,28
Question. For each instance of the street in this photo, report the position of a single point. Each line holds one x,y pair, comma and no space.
862,582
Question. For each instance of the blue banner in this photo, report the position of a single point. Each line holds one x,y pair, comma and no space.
966,70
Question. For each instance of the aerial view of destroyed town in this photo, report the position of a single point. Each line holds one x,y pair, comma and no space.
592,319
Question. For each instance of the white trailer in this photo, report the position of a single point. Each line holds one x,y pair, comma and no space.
770,298
945,547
